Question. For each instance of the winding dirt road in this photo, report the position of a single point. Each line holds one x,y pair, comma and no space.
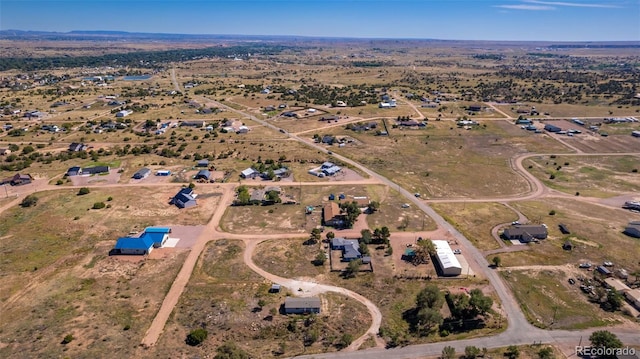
307,289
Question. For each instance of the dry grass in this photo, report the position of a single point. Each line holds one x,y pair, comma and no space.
535,290
589,223
598,176
475,220
223,296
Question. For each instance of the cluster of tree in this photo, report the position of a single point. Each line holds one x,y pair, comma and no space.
352,95
351,213
425,317
378,236
139,59
422,252
243,197
466,310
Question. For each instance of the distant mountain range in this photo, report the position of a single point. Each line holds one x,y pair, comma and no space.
96,35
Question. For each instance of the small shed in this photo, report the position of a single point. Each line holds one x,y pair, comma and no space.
203,163
203,174
275,288
564,229
567,246
142,173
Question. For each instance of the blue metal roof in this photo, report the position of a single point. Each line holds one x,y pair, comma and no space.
157,230
142,243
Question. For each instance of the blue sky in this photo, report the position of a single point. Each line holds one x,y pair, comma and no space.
567,20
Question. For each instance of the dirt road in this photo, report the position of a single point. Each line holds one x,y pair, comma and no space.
307,289
181,280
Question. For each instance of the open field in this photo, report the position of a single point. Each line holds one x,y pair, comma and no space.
29,244
106,303
223,296
597,231
437,161
569,308
475,220
289,258
597,176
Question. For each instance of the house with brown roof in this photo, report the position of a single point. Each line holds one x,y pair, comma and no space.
331,215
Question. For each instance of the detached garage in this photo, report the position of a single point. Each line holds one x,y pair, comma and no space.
446,259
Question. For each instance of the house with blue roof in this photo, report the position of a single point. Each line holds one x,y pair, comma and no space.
350,248
152,237
185,198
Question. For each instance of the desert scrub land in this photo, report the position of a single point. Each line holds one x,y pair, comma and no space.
570,309
593,176
437,161
596,232
233,304
105,304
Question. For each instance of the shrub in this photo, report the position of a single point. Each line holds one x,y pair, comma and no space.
552,212
110,199
197,336
83,191
29,201
59,182
98,205
552,177
67,339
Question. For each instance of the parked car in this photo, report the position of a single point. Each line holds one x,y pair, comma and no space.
607,264
457,251
585,265
572,281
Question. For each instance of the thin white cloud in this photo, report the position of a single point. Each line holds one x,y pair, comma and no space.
570,4
526,7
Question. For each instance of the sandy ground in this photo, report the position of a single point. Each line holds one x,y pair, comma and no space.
112,178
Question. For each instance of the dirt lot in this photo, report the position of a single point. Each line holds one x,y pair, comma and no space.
112,178
594,143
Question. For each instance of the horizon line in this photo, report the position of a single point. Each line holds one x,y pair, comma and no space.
123,32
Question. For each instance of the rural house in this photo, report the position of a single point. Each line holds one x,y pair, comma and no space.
302,305
77,147
350,248
203,163
249,173
526,233
17,180
95,170
331,215
152,237
185,198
